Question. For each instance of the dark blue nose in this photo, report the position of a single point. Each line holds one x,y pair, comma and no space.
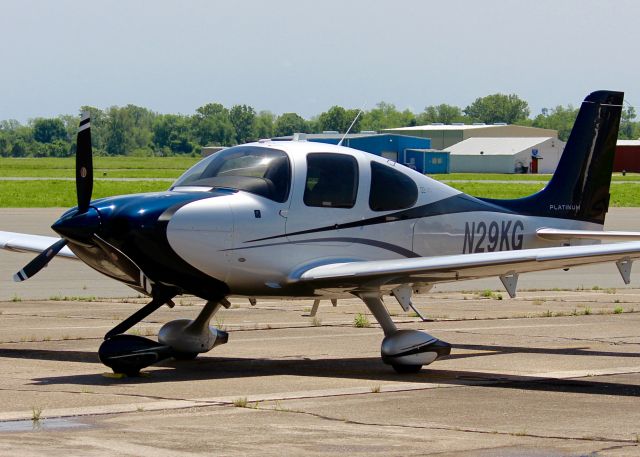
77,226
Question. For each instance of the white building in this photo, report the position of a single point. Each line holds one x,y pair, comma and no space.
443,136
505,155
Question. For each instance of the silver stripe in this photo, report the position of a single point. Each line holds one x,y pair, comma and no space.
84,127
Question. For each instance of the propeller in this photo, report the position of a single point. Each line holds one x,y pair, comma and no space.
84,164
84,188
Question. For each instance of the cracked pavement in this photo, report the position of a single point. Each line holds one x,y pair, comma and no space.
533,384
554,372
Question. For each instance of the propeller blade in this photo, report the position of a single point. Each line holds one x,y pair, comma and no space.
84,164
39,262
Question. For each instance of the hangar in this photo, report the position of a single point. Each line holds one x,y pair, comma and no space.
627,156
442,136
414,152
506,155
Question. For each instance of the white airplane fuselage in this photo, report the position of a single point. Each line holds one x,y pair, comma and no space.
256,245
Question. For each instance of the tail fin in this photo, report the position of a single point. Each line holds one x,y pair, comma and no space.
579,188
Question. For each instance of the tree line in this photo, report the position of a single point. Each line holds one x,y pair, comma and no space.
138,131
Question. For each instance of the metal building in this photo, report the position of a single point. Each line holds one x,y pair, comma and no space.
442,136
414,152
627,156
506,155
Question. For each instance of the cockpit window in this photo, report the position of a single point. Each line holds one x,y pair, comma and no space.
332,181
262,171
391,189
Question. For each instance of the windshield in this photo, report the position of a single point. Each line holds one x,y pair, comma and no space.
258,170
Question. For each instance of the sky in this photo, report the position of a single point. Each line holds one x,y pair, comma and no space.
304,56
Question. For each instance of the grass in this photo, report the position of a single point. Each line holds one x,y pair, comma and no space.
36,413
488,293
627,195
11,165
375,389
618,310
361,321
490,190
55,193
43,194
316,321
490,177
220,323
616,177
89,298
240,402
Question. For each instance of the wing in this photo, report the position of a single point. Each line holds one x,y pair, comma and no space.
374,274
22,242
559,235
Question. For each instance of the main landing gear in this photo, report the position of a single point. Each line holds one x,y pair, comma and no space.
405,350
181,338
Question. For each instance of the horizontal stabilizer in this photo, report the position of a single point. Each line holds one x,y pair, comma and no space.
611,236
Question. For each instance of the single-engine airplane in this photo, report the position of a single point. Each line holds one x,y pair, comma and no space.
296,219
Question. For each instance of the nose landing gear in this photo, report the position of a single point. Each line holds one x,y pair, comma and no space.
181,338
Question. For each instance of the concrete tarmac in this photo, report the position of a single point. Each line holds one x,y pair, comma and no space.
550,373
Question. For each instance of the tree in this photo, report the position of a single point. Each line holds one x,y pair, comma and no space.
559,118
386,116
172,132
48,130
211,126
128,130
243,118
116,132
627,126
9,124
98,127
339,119
264,124
5,145
498,108
443,113
290,123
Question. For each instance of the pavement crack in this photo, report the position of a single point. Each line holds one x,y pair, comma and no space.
622,442
102,394
617,446
552,338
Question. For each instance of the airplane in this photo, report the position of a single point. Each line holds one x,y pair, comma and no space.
298,219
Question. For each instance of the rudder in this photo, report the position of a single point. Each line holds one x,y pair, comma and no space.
579,188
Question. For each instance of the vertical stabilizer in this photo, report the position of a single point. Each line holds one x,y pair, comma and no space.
579,188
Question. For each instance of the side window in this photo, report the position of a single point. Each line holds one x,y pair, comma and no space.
332,181
390,189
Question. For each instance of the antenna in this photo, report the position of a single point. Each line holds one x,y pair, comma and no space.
350,127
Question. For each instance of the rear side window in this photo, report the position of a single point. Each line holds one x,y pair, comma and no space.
391,189
332,181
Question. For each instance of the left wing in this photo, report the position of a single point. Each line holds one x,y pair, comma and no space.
359,275
22,242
